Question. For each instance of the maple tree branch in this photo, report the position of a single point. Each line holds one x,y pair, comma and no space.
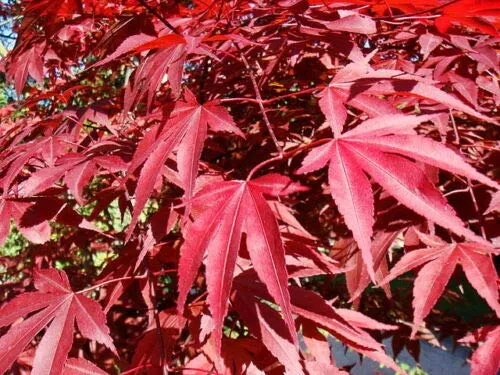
198,298
158,15
260,102
8,36
476,208
152,295
306,91
469,184
132,277
209,372
174,369
419,12
458,191
287,155
229,100
203,78
134,370
272,100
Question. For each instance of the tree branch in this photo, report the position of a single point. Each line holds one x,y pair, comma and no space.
260,102
287,155
158,15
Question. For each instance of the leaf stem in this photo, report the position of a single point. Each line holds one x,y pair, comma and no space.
287,155
260,102
469,184
133,277
272,100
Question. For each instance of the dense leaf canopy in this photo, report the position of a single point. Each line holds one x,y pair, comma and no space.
225,187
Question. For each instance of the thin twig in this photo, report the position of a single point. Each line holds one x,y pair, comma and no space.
430,10
132,277
476,208
158,15
276,98
465,190
469,184
8,36
135,369
152,295
260,102
286,155
229,100
204,74
306,91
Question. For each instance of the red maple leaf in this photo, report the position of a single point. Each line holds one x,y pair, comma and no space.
57,307
227,210
186,130
381,147
439,261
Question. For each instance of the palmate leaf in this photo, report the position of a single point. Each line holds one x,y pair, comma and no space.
480,15
80,366
15,209
267,325
357,278
486,358
359,85
439,262
186,130
85,141
28,63
380,147
169,57
58,308
346,325
227,210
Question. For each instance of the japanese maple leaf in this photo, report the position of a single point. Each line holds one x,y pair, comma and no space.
352,22
28,63
357,278
186,129
486,358
380,147
333,99
48,148
147,350
227,210
462,51
57,307
15,209
428,42
346,325
358,85
169,56
46,177
494,203
316,343
267,325
77,169
481,15
78,177
80,366
440,260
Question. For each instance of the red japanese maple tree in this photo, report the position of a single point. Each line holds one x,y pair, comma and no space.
223,187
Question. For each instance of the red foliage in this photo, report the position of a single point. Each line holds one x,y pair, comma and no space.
170,166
